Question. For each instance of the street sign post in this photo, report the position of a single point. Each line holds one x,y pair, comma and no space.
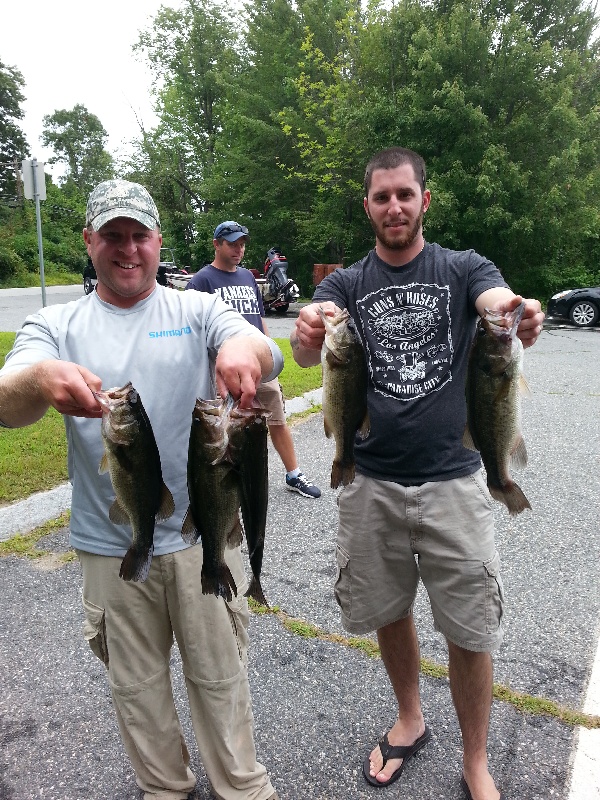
34,188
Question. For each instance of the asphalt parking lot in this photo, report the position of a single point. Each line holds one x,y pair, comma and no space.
320,704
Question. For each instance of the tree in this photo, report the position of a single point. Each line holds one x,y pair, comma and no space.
192,53
504,114
13,145
78,140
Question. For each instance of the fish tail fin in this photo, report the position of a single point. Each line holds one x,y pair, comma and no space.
255,591
220,582
342,473
512,496
136,564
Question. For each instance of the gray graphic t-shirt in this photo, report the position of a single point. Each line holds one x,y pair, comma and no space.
416,323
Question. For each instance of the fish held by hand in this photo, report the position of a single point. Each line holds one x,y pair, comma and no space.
493,388
345,381
132,460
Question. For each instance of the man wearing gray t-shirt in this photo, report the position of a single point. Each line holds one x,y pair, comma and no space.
418,507
173,347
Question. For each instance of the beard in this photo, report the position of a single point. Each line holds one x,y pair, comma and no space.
400,240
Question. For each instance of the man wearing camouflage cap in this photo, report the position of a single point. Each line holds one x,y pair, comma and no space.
192,344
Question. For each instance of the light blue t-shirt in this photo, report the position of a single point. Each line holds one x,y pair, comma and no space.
166,346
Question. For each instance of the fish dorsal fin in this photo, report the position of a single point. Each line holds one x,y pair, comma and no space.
103,464
518,455
167,505
524,386
118,515
189,532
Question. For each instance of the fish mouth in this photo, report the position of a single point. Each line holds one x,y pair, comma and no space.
109,398
505,325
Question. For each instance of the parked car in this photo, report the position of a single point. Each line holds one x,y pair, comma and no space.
167,269
580,306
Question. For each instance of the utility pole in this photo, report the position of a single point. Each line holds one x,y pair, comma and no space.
34,188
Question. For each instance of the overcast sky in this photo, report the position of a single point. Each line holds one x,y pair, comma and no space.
70,52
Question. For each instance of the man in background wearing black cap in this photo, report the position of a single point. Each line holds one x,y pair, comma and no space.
237,287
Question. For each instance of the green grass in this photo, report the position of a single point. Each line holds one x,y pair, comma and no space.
34,459
26,545
295,380
51,278
524,703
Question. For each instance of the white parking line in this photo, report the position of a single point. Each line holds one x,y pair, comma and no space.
585,778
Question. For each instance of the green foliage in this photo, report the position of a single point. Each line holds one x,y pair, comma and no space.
506,120
13,146
78,139
269,116
63,218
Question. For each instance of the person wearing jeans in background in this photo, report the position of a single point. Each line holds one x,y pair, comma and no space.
238,288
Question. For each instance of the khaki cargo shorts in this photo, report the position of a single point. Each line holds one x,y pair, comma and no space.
390,536
270,396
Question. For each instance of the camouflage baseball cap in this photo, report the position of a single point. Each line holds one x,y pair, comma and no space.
119,198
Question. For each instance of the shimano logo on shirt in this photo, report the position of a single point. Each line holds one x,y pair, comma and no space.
168,334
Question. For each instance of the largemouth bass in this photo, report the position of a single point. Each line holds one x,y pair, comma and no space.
132,459
214,494
344,392
252,460
227,468
493,388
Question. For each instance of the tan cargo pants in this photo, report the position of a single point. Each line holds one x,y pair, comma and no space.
130,626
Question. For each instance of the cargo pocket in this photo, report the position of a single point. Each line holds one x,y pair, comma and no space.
494,594
94,630
343,583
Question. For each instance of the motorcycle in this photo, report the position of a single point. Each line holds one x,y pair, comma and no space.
277,290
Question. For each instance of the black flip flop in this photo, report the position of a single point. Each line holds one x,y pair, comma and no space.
388,752
465,787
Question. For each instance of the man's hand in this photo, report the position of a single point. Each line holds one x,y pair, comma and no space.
69,388
503,301
26,395
240,365
309,332
532,320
